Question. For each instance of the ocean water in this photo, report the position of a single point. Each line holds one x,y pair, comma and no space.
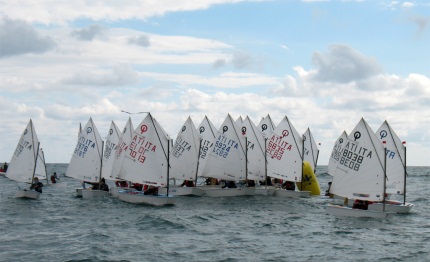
61,227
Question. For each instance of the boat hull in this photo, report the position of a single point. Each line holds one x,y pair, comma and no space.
182,191
93,193
29,194
224,192
261,191
79,192
137,197
345,211
392,206
291,193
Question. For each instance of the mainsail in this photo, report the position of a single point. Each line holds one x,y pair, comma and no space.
123,143
311,150
184,155
360,172
23,163
227,157
86,161
396,159
111,145
146,157
206,132
284,153
336,153
266,126
255,150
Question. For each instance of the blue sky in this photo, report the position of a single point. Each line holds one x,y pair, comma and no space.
324,64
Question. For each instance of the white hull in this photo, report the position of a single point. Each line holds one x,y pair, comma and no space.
182,191
88,193
137,197
392,206
114,191
224,192
291,193
31,194
2,174
345,211
261,191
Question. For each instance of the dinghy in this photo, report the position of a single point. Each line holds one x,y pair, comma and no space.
146,161
227,159
184,161
86,162
285,158
360,173
396,170
27,162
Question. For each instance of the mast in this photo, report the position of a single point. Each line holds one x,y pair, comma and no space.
35,162
246,160
404,184
168,165
385,178
302,156
265,161
101,163
198,160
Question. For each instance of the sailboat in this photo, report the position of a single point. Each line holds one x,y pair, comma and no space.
118,157
146,161
285,158
112,140
255,159
86,162
227,159
360,173
396,170
184,160
27,162
266,126
311,150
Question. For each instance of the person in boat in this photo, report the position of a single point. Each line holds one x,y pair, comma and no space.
360,204
289,185
327,192
268,182
103,186
37,185
152,190
121,183
54,178
5,166
137,186
188,183
250,183
229,184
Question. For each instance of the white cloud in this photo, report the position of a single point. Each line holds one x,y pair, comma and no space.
89,33
18,37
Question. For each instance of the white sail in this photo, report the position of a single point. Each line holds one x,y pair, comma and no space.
396,159
111,145
266,126
227,157
146,158
255,150
184,155
311,150
206,133
86,160
239,121
40,165
23,163
123,143
360,172
284,153
336,153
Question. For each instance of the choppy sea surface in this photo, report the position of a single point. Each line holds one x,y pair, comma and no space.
61,227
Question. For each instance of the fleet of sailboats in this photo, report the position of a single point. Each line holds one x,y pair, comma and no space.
367,167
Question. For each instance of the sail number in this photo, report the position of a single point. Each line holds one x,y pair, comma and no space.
351,160
221,149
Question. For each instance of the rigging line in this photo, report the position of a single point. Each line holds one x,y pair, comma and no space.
371,140
253,130
159,139
395,144
210,126
294,138
235,131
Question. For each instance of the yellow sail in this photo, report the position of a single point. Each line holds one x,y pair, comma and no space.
309,180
